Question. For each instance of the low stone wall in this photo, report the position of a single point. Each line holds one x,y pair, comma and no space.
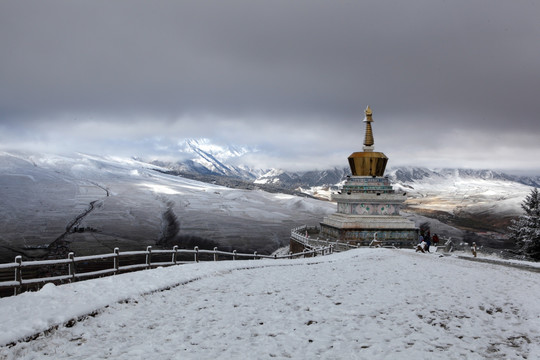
363,237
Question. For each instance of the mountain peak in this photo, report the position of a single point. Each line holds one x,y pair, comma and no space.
206,146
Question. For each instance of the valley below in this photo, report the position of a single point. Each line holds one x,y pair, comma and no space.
52,205
56,204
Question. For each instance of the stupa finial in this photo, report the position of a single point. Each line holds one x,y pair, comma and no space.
368,140
368,111
368,162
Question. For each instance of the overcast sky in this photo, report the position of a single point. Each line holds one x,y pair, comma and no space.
451,83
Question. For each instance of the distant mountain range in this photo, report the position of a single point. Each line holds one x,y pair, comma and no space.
204,158
412,174
476,199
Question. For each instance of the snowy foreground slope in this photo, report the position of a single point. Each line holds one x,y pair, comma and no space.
362,304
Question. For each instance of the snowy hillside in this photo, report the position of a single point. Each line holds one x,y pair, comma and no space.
460,192
476,199
361,304
93,204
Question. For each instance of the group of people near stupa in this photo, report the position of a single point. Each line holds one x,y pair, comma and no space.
426,240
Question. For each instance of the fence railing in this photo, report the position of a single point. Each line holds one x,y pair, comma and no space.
300,234
65,270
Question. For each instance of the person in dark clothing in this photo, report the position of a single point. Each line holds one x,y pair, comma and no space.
427,239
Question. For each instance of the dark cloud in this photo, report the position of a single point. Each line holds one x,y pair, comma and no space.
289,75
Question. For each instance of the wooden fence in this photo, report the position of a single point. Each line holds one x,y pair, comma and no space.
70,269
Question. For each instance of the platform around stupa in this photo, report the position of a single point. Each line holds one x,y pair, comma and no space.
368,209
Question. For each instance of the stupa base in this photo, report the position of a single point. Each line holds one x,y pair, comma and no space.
363,230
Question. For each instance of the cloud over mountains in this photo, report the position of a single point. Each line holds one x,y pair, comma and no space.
449,82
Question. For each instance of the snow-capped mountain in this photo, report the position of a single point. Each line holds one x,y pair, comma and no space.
206,147
305,179
201,156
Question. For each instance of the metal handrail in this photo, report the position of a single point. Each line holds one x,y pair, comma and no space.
72,260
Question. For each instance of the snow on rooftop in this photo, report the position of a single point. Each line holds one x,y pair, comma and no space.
364,304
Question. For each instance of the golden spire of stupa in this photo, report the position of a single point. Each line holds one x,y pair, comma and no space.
368,140
368,162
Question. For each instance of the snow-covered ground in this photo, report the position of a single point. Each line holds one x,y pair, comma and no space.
361,304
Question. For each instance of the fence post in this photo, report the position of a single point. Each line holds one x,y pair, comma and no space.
234,255
18,275
290,254
331,249
215,255
255,255
196,253
304,253
275,256
148,256
116,260
175,254
71,266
